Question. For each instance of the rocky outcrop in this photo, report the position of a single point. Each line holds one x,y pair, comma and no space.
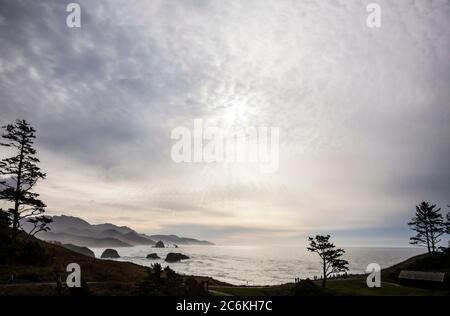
81,250
153,256
175,257
110,254
159,244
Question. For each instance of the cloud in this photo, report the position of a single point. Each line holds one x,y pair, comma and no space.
363,113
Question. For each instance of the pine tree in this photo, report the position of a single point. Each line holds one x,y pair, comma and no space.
19,174
428,225
447,224
330,255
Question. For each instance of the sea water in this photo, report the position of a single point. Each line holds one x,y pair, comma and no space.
259,265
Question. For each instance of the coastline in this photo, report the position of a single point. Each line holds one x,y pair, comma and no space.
110,277
260,265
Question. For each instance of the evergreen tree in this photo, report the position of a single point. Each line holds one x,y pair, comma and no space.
447,224
40,224
330,255
19,174
428,225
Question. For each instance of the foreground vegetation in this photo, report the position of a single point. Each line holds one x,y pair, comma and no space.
356,285
335,287
29,266
38,267
37,271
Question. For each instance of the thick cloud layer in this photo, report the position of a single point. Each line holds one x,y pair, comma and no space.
363,112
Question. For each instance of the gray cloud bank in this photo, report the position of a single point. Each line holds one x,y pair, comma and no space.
364,113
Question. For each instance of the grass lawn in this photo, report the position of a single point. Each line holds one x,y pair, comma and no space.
359,287
237,291
352,287
277,290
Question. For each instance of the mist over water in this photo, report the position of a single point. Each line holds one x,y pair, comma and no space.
259,265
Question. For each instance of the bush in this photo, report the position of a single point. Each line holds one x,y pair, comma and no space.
152,285
433,262
30,252
194,288
308,288
5,237
168,283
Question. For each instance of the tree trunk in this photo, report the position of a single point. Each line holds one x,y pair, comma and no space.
427,236
433,242
16,202
324,281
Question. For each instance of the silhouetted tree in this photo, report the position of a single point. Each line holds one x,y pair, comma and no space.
173,282
447,224
19,174
428,225
161,282
40,224
192,287
156,271
308,288
330,255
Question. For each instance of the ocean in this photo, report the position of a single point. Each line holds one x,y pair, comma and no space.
259,265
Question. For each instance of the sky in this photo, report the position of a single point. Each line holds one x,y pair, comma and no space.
363,113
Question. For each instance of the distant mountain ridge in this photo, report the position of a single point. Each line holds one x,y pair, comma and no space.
82,241
74,230
174,239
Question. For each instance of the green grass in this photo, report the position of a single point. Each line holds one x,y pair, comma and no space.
218,293
338,287
359,287
277,290
239,291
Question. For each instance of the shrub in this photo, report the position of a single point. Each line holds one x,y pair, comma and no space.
194,288
30,252
308,288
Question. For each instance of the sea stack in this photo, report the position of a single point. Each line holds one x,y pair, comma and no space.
110,254
153,256
175,257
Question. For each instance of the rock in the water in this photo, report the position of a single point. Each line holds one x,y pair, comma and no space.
159,244
153,256
81,250
174,257
110,254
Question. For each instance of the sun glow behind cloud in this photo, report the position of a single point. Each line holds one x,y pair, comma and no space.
363,114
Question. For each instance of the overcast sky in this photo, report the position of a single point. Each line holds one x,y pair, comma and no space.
363,113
